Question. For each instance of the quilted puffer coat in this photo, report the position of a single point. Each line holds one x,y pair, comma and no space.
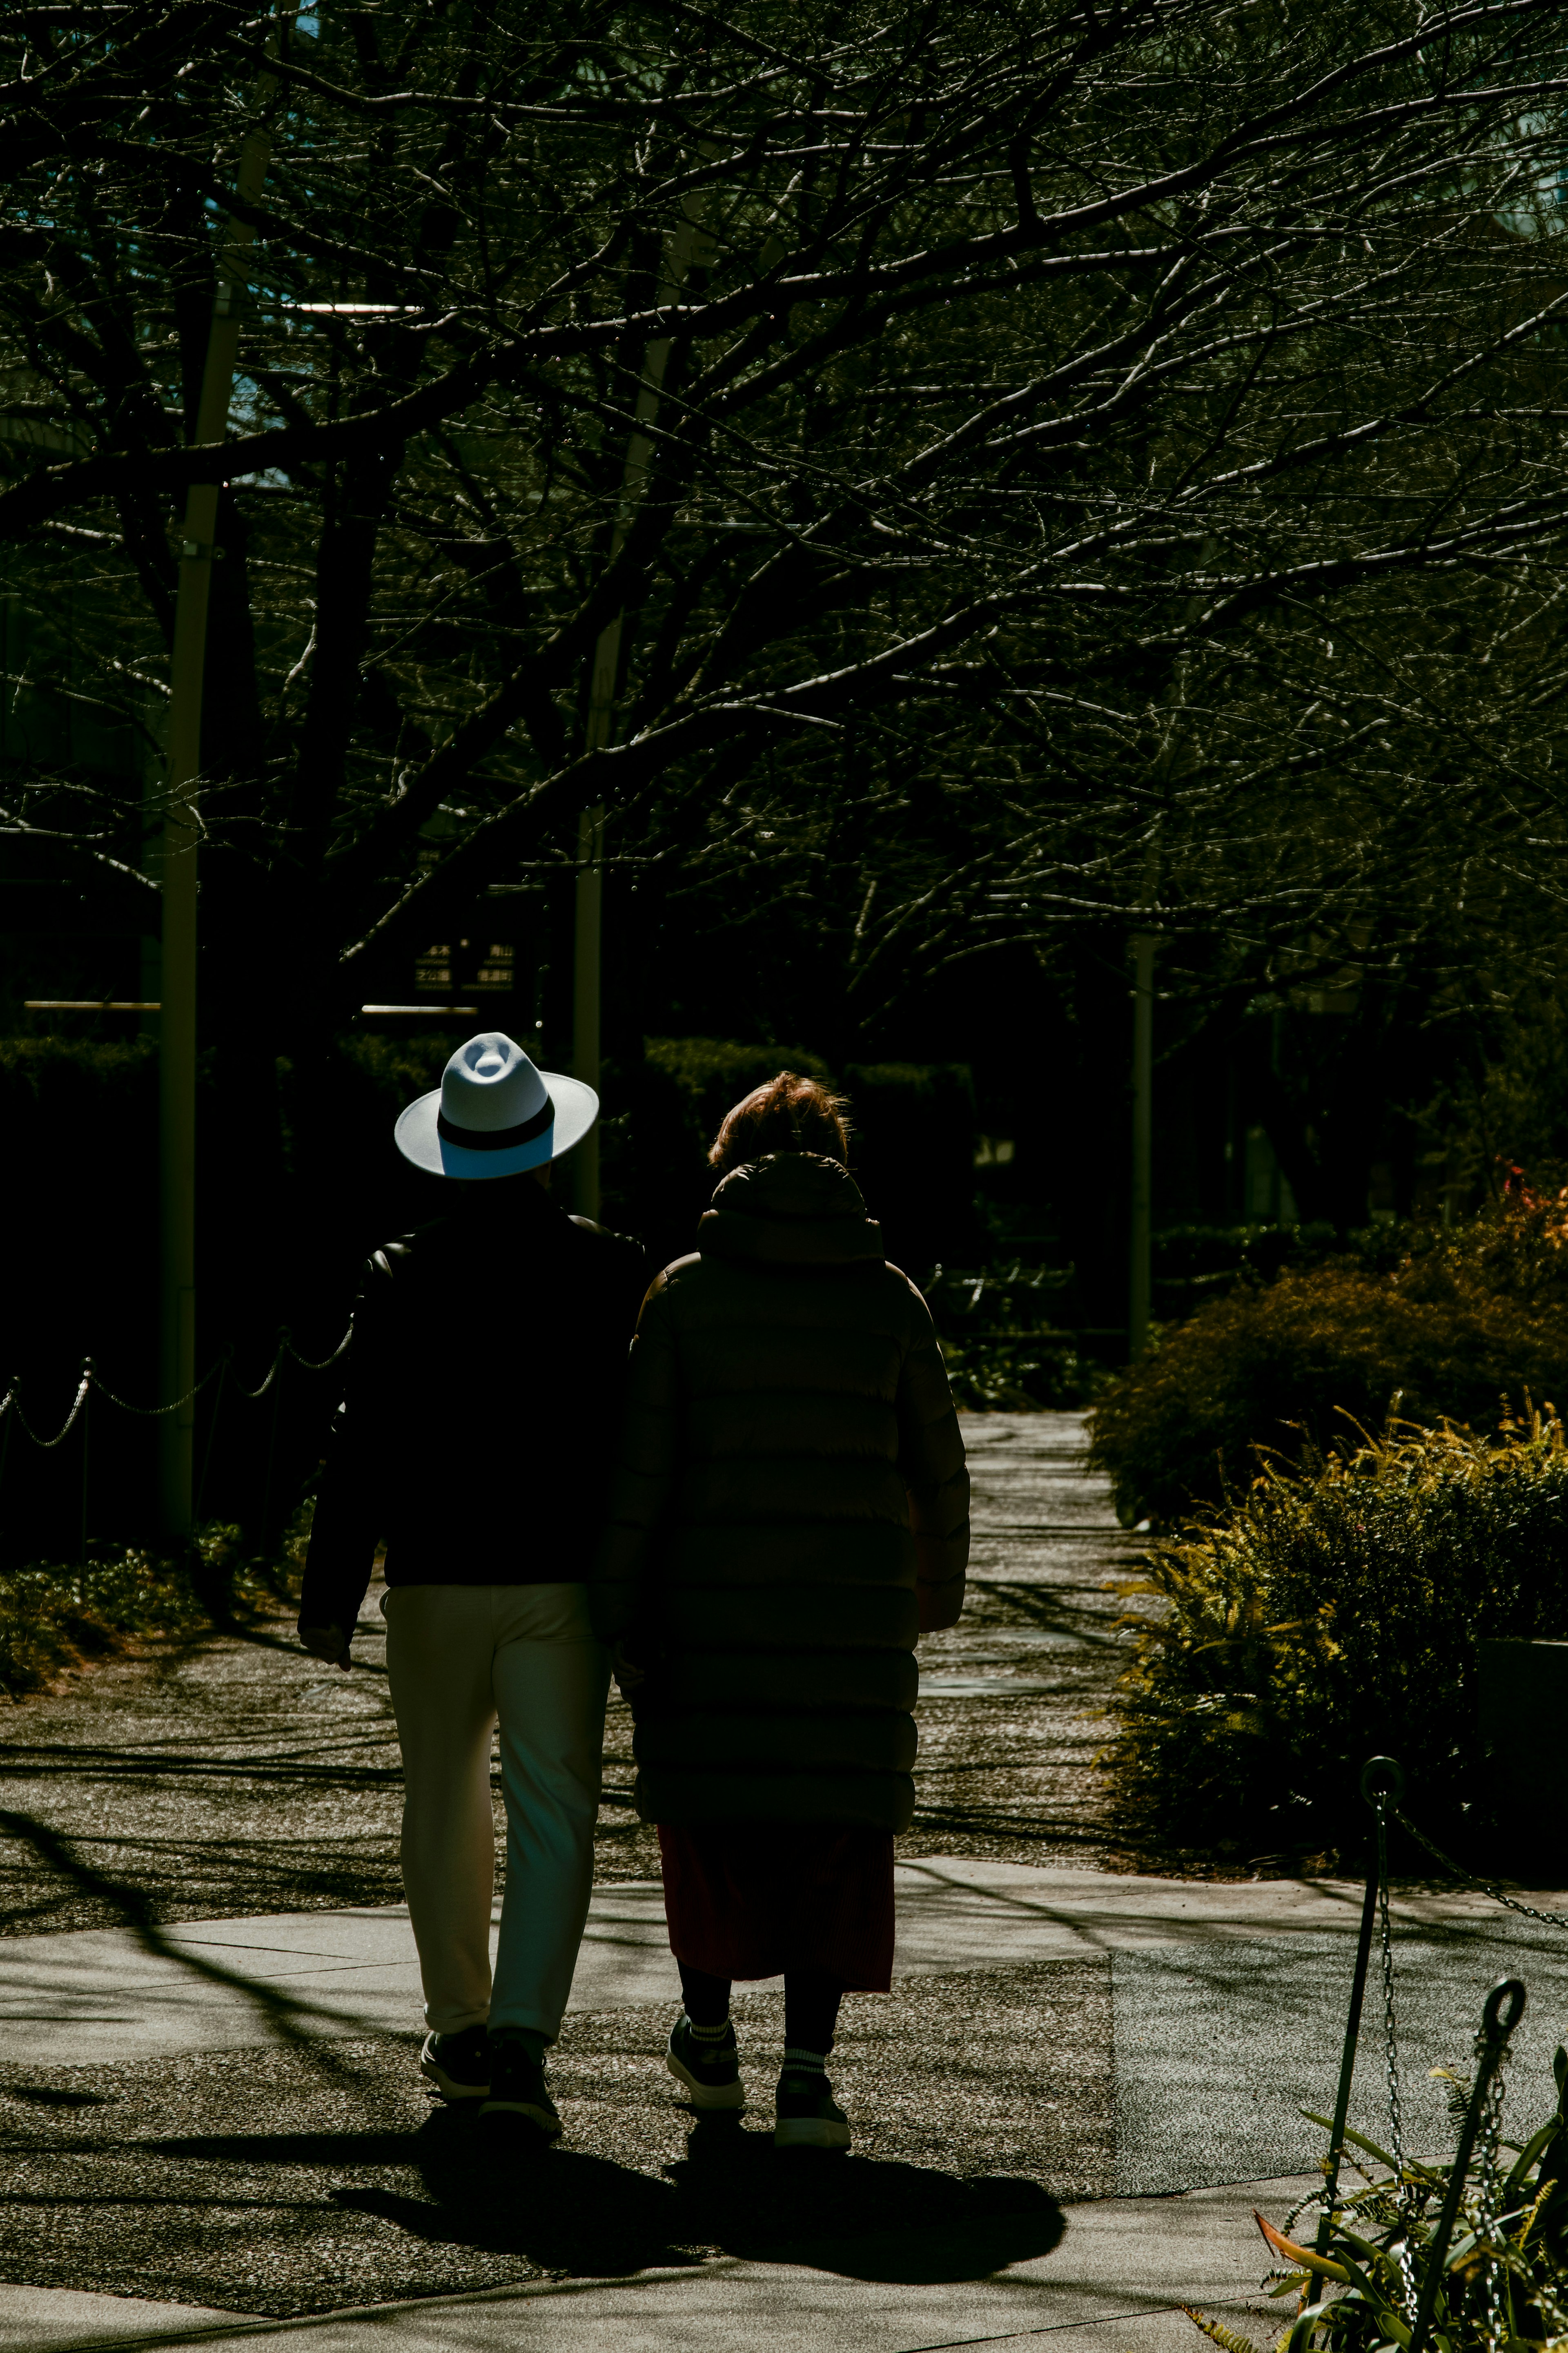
789,1511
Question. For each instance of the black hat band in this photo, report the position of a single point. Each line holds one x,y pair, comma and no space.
496,1139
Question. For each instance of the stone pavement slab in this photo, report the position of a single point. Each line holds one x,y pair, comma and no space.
1111,2283
301,2178
1218,2047
90,1996
1013,1698
51,2319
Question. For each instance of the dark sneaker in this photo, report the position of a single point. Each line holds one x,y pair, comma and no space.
808,2116
518,2089
711,2071
457,2064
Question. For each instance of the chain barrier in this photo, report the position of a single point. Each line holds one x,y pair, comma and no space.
272,1372
1481,1886
80,1412
156,1412
11,1403
45,1445
305,1361
1480,2137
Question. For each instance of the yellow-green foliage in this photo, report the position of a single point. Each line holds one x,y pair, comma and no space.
1331,1612
55,1616
1467,1318
1504,2278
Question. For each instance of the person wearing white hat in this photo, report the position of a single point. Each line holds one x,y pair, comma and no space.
478,1418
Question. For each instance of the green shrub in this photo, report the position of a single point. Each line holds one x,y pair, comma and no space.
711,1074
1002,1341
1017,1376
1464,1319
393,1072
1191,1264
1332,1614
54,1617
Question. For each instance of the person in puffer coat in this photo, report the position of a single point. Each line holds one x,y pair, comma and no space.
790,1513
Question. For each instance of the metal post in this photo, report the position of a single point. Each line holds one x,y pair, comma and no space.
1498,2023
587,963
86,1426
212,1433
282,1360
1139,1286
1382,1779
177,987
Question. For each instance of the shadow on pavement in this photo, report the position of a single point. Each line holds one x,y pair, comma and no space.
567,2211
858,2216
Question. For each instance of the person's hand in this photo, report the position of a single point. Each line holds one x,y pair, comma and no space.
627,1671
329,1643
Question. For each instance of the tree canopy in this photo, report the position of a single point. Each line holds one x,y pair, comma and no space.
1015,468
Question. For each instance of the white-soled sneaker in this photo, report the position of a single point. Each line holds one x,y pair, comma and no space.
519,2094
457,2064
808,2115
709,2071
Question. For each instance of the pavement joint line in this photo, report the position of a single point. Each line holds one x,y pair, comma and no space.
536,2291
1050,1528
223,2332
1049,2329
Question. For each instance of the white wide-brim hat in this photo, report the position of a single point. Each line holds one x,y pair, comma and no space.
494,1113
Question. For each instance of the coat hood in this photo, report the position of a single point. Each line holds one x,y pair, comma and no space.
793,1208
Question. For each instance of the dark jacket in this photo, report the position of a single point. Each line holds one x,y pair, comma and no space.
481,1402
791,1509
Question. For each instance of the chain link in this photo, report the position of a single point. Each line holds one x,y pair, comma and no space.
272,1372
45,1444
12,1400
1481,1886
154,1412
1391,2062
1487,2215
305,1361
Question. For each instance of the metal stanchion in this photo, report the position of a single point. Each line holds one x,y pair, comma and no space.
86,1427
1381,1782
212,1433
1504,2009
272,1438
6,1419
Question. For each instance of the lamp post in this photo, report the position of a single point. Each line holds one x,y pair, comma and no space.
181,834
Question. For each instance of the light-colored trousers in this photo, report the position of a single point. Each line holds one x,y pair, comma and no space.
459,1657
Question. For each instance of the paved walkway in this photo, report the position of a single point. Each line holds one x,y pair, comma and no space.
1013,1698
179,2132
1203,2250
1081,2086
99,1997
232,1778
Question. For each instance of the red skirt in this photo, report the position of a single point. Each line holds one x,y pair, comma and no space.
754,1899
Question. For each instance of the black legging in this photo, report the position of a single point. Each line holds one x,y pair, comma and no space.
811,2005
